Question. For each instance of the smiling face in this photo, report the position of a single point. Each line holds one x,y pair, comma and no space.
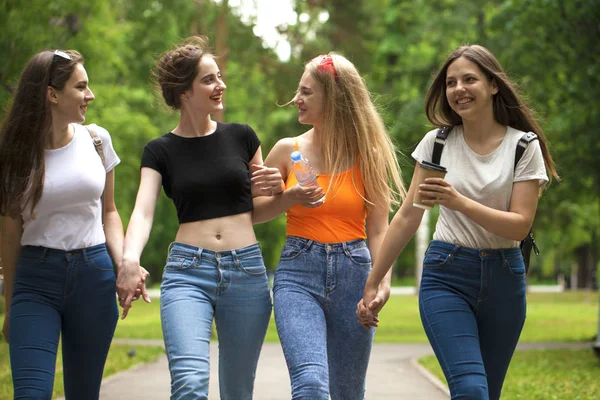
206,94
310,101
70,103
468,90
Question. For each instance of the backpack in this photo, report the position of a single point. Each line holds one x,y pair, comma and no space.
526,244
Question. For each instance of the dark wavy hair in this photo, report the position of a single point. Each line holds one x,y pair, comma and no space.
509,109
27,128
177,68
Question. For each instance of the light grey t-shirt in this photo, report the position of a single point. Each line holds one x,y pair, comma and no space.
486,179
69,214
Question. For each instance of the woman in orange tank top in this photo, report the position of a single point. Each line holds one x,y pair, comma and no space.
326,260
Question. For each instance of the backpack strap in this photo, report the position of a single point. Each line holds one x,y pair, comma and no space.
98,145
438,145
522,145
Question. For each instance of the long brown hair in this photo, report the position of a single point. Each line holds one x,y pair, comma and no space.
27,128
353,129
509,109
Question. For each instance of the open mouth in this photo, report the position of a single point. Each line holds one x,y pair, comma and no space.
464,101
217,97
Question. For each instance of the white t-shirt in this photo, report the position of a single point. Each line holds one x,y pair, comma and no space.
486,179
69,214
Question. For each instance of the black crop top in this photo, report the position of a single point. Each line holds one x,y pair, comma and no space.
208,176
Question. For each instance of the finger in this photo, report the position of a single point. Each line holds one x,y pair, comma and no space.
127,305
145,295
374,304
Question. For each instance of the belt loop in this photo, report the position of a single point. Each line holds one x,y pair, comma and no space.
504,260
235,258
453,252
199,255
84,253
43,256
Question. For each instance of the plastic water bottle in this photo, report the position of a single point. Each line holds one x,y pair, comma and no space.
304,173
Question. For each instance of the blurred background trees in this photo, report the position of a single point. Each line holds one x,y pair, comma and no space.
550,47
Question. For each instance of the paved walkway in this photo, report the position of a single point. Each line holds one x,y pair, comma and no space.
393,374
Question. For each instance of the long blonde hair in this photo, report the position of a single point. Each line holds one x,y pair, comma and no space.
353,129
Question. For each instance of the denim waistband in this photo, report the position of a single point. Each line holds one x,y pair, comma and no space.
42,252
190,250
328,247
454,249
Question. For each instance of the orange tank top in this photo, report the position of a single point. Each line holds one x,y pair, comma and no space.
341,218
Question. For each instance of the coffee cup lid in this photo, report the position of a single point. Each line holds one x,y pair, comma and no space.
435,167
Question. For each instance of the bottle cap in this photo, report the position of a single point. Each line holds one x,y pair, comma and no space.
296,156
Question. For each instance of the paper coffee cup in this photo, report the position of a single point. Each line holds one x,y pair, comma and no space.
426,170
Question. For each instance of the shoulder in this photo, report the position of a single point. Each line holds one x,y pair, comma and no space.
161,141
98,130
280,153
234,127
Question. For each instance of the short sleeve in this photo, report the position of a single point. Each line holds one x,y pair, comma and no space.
151,160
531,165
111,159
252,142
424,149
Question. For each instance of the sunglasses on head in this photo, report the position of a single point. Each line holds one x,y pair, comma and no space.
61,54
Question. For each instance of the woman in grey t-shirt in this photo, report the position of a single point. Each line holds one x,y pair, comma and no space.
472,294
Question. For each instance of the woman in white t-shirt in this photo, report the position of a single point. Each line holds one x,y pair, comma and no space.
472,293
59,277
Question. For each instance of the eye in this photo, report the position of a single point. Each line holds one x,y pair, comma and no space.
471,79
450,83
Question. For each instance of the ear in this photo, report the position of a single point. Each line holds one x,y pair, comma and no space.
51,95
494,87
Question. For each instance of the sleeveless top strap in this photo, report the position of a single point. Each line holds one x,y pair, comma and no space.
296,144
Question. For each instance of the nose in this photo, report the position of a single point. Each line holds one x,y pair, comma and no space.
296,100
221,85
89,95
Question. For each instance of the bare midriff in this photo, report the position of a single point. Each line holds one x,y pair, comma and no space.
224,233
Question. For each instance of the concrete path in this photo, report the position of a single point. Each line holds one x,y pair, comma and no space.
391,375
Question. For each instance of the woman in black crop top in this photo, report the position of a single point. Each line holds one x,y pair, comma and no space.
214,267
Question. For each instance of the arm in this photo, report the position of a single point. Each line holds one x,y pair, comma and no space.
10,249
512,224
401,230
113,227
267,208
265,181
138,232
377,224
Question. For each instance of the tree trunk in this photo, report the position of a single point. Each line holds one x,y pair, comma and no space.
586,257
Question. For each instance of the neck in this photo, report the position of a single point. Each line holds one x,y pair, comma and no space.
60,135
193,125
481,128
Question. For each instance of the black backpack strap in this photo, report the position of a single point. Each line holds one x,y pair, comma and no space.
522,145
438,145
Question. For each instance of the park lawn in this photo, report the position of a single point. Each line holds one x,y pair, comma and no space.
118,360
551,317
545,375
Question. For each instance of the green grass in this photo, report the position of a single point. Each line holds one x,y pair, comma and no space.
118,360
551,317
545,375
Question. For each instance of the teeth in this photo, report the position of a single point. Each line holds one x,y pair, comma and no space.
464,101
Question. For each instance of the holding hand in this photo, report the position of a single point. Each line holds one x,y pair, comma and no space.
441,192
367,309
267,181
307,196
131,284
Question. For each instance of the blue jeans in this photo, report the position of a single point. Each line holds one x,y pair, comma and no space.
316,289
68,293
472,304
229,286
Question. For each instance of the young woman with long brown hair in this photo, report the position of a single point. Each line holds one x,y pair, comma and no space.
472,293
56,251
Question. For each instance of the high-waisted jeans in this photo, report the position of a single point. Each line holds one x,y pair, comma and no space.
472,304
316,289
229,286
68,293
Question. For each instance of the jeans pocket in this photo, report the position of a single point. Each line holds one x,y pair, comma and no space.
101,262
179,261
253,265
291,251
516,266
360,256
435,259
